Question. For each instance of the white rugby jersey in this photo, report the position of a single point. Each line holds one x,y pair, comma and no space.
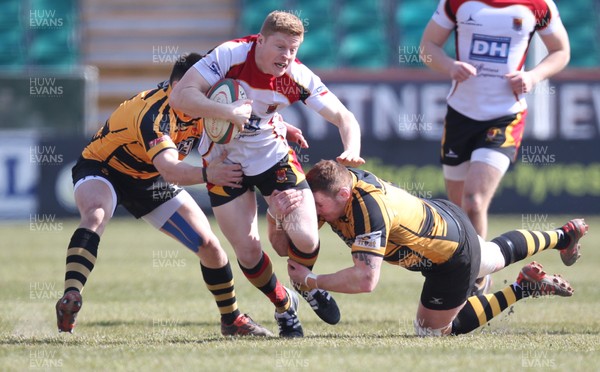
262,143
493,36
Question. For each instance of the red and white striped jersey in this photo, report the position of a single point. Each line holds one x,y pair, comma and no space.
262,142
493,36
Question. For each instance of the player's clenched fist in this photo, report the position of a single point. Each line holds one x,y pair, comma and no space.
461,71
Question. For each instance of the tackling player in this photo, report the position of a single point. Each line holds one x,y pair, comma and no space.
267,68
381,222
486,104
135,160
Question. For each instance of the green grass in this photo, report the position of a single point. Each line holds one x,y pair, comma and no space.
146,308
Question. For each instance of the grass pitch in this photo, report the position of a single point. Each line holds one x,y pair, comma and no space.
147,308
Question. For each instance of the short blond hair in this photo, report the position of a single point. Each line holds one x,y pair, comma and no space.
329,177
284,22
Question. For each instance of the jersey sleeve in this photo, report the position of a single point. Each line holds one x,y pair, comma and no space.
214,66
315,94
549,19
444,15
371,224
153,132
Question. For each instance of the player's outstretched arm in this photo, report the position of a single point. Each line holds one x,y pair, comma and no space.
177,172
433,55
341,117
189,96
360,278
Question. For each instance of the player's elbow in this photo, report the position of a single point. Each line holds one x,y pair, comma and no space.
346,116
280,243
170,177
567,57
424,52
177,98
169,173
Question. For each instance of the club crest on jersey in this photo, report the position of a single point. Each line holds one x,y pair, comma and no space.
489,48
492,133
280,175
271,109
517,24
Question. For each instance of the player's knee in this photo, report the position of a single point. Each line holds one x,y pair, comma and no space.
422,330
307,243
474,203
281,248
208,242
250,254
94,216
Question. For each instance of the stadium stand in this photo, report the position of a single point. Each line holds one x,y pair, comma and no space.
401,22
581,19
135,49
11,35
52,32
133,42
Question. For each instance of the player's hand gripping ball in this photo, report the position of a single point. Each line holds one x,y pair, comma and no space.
223,91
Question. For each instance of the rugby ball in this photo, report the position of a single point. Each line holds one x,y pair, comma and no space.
223,91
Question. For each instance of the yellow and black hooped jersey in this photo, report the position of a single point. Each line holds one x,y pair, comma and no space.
139,129
385,220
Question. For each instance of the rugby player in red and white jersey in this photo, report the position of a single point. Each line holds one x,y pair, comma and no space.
267,68
486,104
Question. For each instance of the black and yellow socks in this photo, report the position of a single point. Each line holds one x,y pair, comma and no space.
220,283
81,258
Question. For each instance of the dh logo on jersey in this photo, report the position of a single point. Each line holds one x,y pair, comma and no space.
489,48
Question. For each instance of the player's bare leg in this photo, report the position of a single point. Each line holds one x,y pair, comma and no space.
301,224
94,199
478,190
454,191
474,195
238,222
434,322
296,235
190,226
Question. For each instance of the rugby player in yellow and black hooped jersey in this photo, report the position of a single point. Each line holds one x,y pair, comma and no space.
382,222
135,161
